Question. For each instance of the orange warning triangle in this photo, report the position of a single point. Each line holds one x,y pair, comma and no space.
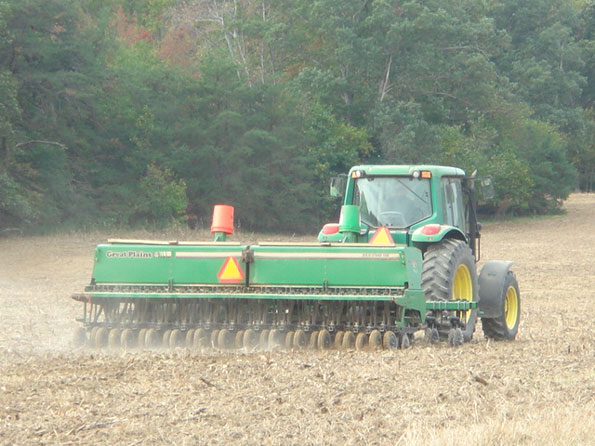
382,237
230,271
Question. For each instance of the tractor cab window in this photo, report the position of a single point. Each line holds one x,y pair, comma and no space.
454,209
396,202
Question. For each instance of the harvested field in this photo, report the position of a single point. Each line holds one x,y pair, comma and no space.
538,390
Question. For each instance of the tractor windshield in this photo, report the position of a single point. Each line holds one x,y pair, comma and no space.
396,202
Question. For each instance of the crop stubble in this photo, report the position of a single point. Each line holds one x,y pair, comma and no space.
539,389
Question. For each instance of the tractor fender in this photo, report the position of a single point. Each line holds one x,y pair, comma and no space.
491,287
434,233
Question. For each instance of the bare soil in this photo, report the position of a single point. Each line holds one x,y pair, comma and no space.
537,390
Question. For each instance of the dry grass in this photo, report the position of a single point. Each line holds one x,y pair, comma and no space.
539,390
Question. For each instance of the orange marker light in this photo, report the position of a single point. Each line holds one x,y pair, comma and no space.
330,228
430,229
426,174
382,237
231,271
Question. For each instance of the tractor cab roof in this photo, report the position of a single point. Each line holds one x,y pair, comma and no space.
408,169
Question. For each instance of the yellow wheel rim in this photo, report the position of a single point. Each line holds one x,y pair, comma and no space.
511,307
462,288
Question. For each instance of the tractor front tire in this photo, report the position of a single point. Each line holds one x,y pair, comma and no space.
449,274
506,325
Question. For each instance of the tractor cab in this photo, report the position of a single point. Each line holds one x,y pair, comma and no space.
417,204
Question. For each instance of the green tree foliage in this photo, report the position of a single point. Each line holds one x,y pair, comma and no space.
526,157
549,64
128,112
163,197
47,94
429,68
479,146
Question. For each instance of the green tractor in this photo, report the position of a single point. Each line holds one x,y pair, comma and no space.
433,208
401,259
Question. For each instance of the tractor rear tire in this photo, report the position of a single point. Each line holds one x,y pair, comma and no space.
506,325
449,273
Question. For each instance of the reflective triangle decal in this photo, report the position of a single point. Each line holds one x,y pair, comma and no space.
382,237
231,271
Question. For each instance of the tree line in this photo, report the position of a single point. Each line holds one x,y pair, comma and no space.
137,112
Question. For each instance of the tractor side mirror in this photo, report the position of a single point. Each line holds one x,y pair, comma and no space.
486,188
338,185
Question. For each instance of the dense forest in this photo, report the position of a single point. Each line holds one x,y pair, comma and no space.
138,112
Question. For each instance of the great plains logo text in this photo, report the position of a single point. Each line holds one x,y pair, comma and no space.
129,254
